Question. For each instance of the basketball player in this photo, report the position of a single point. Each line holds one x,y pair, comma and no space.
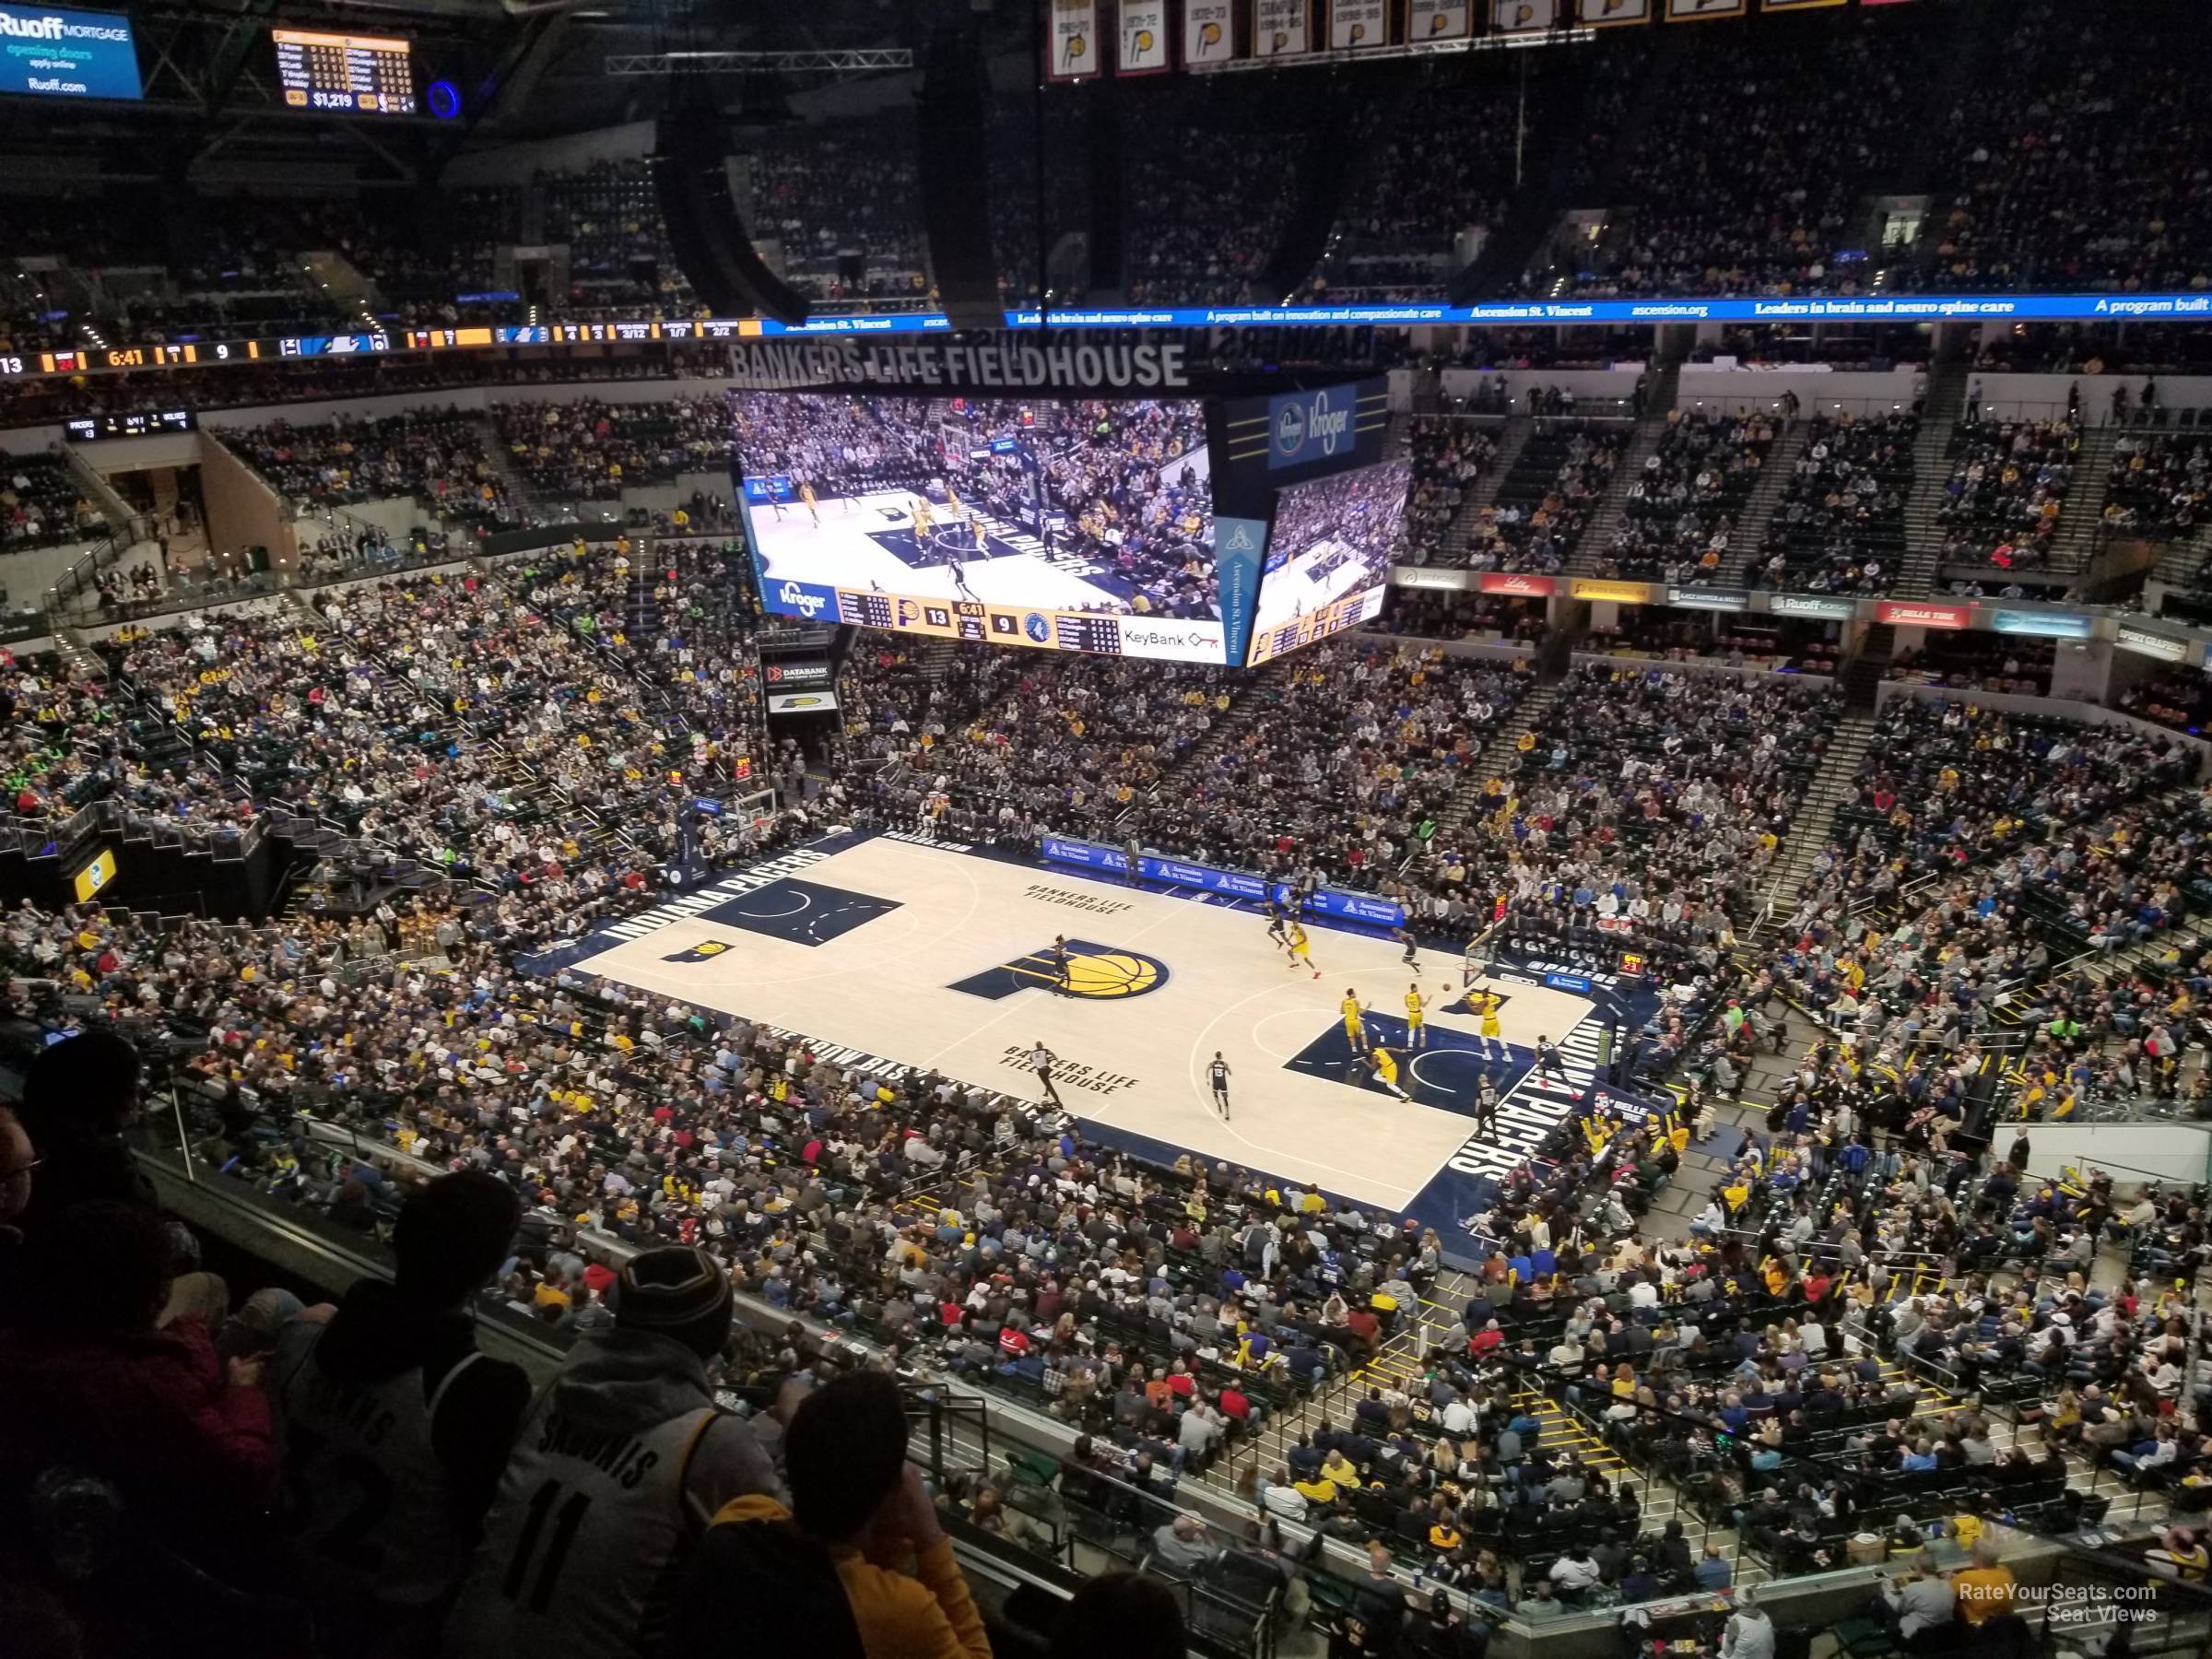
1486,1006
1404,936
624,1461
1062,980
960,575
922,524
1216,1074
1278,917
1548,1062
1386,1070
1355,1028
1416,1010
814,509
1297,947
389,1397
1041,1061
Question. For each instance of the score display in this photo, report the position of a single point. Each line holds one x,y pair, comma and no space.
138,423
346,74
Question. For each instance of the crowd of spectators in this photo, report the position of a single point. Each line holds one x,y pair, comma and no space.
2006,489
584,450
1447,456
435,456
2157,484
1750,176
1840,525
1429,614
41,503
843,200
1681,508
1545,502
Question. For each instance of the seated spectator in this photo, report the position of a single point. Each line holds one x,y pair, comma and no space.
390,1392
80,1096
811,1573
676,1460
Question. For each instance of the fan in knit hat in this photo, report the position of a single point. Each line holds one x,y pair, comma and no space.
675,1291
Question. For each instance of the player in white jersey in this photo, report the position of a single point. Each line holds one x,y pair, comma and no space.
393,1428
621,1464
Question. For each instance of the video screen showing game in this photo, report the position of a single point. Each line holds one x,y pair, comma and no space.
1072,527
1329,557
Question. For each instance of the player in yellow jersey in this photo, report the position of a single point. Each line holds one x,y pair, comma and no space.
1486,1006
1386,1070
1416,1010
814,509
922,519
1355,1028
1298,955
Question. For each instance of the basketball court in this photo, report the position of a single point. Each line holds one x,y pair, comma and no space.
939,957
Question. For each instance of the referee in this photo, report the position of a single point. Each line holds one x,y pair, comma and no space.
1041,1061
1218,1075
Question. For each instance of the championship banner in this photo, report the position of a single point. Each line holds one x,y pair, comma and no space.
1522,16
1437,20
1607,14
1356,24
1074,40
1143,37
1703,11
1281,28
1209,32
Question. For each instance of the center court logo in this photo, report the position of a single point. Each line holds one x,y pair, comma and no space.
706,950
1095,972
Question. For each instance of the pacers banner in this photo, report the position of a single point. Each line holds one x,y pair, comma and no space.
1143,37
1607,14
1209,32
1522,16
1356,24
1436,20
1074,42
1281,28
1700,11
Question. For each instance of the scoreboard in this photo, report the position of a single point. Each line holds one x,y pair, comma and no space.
137,423
346,74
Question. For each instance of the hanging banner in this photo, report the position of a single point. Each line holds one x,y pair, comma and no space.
1512,581
1700,11
1209,32
1074,40
1899,614
1356,24
1437,20
1281,28
1606,14
1143,37
1813,605
1240,546
1522,16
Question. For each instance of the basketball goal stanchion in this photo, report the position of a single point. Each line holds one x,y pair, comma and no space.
1475,960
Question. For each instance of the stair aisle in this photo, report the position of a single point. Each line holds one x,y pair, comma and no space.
1597,535
1467,801
1811,829
1750,532
1931,474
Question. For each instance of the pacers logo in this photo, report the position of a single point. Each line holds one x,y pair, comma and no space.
1094,972
706,950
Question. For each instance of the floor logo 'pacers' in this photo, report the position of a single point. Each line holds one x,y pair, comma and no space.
706,950
1099,972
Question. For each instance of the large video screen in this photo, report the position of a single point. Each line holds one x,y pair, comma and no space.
51,52
1067,526
1329,557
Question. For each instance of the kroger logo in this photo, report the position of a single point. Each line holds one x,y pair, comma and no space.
1312,428
802,600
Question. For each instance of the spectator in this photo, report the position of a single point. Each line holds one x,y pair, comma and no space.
817,1571
80,1096
1120,1616
1749,1633
630,1441
389,1398
1984,1589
